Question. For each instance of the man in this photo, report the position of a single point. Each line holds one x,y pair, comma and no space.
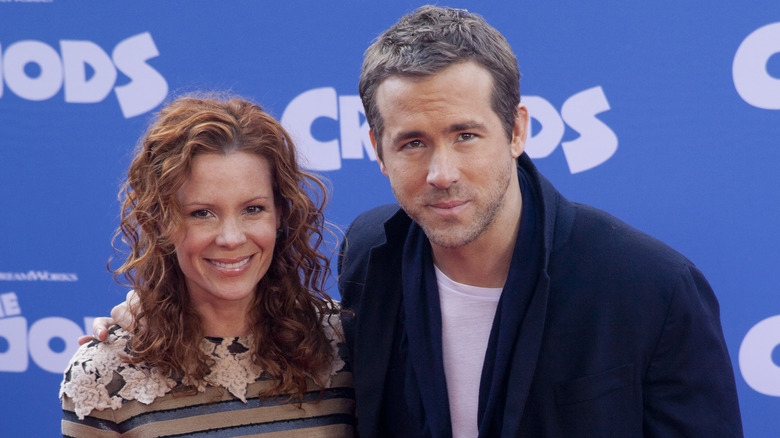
487,304
490,305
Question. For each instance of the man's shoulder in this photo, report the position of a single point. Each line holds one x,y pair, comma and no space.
382,227
373,220
606,231
370,228
599,241
628,272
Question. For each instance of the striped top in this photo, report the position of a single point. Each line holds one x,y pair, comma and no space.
104,397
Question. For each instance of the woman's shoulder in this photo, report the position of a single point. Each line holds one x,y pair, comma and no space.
331,323
100,377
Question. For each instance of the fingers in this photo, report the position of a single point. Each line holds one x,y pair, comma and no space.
132,299
119,315
84,339
123,312
100,328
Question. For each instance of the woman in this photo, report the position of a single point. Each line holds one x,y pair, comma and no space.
234,334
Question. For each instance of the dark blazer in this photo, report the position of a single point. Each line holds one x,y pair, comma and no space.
622,337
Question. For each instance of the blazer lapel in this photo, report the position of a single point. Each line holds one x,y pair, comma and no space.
516,336
376,315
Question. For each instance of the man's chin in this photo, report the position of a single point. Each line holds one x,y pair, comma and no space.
449,239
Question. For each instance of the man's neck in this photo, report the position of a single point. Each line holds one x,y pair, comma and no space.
485,261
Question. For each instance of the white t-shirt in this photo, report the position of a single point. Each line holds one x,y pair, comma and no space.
467,314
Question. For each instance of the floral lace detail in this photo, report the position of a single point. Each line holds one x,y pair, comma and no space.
234,368
333,331
96,377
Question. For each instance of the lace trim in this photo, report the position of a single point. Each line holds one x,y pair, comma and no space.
96,377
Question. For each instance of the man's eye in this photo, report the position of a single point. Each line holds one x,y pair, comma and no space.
466,136
412,144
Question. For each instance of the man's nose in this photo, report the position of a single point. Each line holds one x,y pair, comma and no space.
443,169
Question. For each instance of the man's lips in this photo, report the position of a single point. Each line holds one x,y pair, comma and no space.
446,204
448,207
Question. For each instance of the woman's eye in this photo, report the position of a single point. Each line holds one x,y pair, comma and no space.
200,214
255,209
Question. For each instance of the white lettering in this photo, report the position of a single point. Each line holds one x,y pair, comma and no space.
751,79
9,305
354,133
38,276
147,88
544,142
42,87
755,357
88,320
297,119
46,329
76,55
14,331
16,341
596,143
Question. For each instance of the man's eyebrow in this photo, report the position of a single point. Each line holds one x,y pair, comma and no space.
455,127
406,135
466,126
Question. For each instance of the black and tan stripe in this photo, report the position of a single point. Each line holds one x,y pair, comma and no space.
211,414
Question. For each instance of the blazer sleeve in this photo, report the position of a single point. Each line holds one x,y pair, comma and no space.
689,387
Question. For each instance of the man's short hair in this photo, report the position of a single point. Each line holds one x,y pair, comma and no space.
431,39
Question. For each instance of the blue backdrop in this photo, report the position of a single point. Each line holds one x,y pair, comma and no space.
664,113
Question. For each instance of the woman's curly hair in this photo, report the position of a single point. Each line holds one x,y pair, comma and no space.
290,306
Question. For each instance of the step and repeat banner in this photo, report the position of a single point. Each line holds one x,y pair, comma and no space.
664,113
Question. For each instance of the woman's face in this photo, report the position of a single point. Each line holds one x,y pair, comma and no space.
227,238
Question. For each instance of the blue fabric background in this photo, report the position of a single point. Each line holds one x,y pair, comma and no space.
694,165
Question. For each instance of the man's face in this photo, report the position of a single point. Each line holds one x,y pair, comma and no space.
446,153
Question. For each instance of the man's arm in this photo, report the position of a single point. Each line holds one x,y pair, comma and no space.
689,386
121,314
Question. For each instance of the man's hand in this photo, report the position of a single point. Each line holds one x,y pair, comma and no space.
99,328
121,314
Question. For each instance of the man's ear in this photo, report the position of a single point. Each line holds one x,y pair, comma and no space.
379,160
520,130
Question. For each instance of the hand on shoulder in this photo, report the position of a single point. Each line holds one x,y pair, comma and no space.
122,314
